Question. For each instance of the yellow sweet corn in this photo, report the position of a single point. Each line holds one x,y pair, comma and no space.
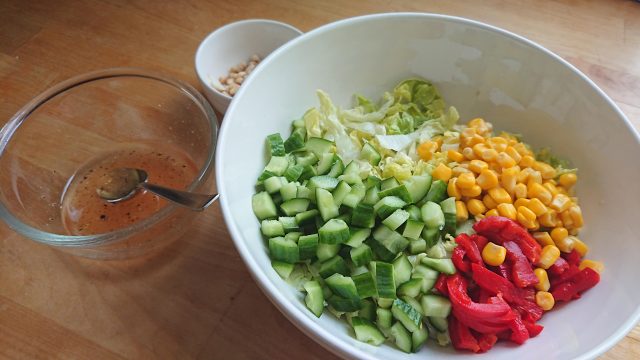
489,202
459,170
521,202
526,217
526,161
478,149
455,156
575,213
567,221
547,171
472,192
489,155
520,191
595,265
548,256
522,149
493,254
475,139
500,195
560,203
543,238
536,190
468,153
492,212
545,300
568,180
477,166
505,160
509,177
514,154
461,211
537,207
507,210
551,187
452,189
466,181
549,219
487,179
559,233
580,246
426,150
543,279
566,245
442,172
534,176
523,175
476,207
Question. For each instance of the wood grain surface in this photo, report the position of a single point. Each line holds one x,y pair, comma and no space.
196,299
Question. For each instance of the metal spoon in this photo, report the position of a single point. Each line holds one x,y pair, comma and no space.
122,183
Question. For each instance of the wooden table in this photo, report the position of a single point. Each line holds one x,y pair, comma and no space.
198,300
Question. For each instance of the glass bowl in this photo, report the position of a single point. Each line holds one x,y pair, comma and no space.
93,116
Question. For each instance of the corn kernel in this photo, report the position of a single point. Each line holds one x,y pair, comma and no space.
520,191
548,256
474,140
545,300
461,211
559,233
523,175
466,181
489,202
493,254
574,231
560,203
489,155
505,160
543,279
549,219
521,202
498,144
527,213
468,153
534,176
477,166
522,149
543,238
477,123
546,171
459,170
514,154
478,149
527,160
500,195
568,180
566,245
537,207
509,177
452,189
476,207
487,179
507,210
426,150
535,190
492,212
525,222
575,213
597,266
441,172
471,192
566,219
580,246
455,156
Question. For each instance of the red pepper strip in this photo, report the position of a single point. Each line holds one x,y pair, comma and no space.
458,259
441,285
521,270
519,298
486,341
481,326
461,336
470,248
565,276
573,258
582,281
533,328
484,295
501,229
561,265
519,332
457,287
504,270
480,241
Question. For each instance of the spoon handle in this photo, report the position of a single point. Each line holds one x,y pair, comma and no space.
193,201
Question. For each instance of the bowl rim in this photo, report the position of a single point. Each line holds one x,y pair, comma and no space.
302,321
7,131
204,43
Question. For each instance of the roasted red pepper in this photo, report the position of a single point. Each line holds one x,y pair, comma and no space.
573,258
521,270
582,281
571,271
561,265
457,257
533,328
519,332
461,336
500,229
480,241
470,248
441,285
486,341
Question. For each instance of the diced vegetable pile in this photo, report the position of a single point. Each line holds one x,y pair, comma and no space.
411,227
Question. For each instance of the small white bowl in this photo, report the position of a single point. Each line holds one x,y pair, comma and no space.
235,43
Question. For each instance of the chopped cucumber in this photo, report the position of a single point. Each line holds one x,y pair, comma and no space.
326,205
385,283
274,184
340,192
413,229
437,192
303,192
372,181
337,168
361,255
370,154
387,205
432,215
371,196
368,310
295,141
294,172
354,196
343,286
334,265
306,159
396,219
412,287
289,191
436,306
401,336
315,297
308,172
334,231
306,217
319,146
419,338
363,216
431,236
358,236
327,251
275,144
417,246
384,317
365,285
325,163
407,315
307,246
414,212
389,183
390,240
401,269
277,165
344,304
367,332
295,206
293,236
283,250
323,182
398,191
440,323
282,268
417,186
271,228
448,207
443,265
263,206
289,224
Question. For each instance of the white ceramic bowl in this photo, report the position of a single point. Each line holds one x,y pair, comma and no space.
232,44
483,71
